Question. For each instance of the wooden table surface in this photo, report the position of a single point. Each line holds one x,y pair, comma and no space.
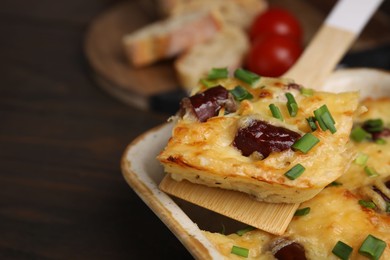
62,195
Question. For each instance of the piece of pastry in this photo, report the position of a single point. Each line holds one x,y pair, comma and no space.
267,137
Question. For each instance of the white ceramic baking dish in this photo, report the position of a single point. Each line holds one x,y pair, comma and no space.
143,172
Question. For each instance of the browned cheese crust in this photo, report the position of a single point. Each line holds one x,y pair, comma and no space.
335,213
203,152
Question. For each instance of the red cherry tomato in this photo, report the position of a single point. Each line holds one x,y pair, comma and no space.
276,21
272,55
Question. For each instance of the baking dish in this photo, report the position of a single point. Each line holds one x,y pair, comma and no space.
143,172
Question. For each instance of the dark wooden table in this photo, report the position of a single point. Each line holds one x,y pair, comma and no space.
62,195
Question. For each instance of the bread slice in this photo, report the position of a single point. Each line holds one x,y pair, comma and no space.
168,38
226,49
234,12
205,149
165,7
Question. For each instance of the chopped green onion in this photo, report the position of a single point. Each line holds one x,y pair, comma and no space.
317,116
325,119
358,134
302,211
295,172
367,204
245,230
292,105
329,122
370,171
305,143
312,123
387,206
372,247
276,112
208,83
247,76
307,92
240,251
380,141
373,125
334,183
218,73
342,250
361,159
241,93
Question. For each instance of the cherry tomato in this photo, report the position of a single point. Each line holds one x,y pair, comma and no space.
276,21
272,55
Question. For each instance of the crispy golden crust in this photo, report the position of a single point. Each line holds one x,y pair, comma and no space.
203,152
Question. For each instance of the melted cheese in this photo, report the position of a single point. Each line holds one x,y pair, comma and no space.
203,152
335,214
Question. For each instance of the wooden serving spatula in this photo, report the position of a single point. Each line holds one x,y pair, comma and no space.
319,59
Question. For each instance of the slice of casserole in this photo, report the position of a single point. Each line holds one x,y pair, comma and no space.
268,137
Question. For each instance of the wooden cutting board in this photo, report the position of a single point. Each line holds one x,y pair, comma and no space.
103,48
156,87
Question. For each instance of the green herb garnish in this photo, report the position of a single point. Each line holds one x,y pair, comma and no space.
358,134
241,93
312,123
295,172
361,159
370,171
292,105
208,83
380,141
329,122
373,125
245,230
247,76
305,143
342,250
325,119
218,73
276,112
367,204
240,251
334,184
372,247
302,211
307,92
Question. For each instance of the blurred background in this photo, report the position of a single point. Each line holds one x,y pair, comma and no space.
70,103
